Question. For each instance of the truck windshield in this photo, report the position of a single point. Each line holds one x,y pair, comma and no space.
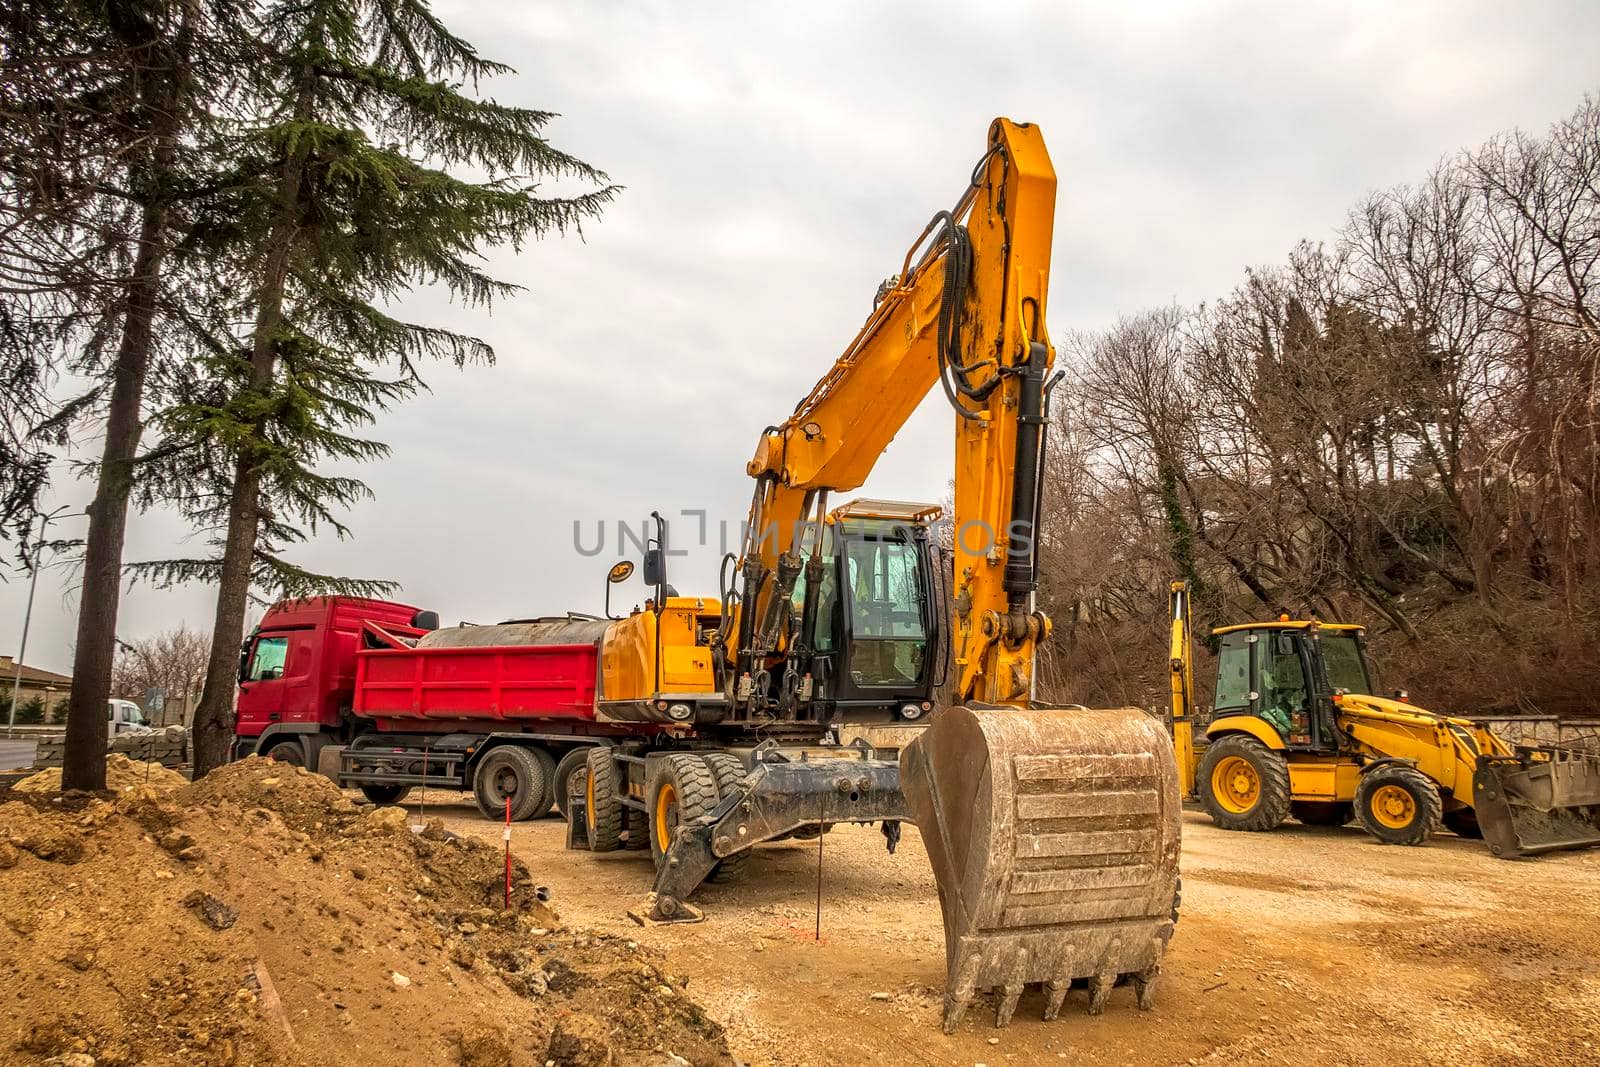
889,637
1342,659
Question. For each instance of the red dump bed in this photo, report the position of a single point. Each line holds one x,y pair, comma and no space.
495,682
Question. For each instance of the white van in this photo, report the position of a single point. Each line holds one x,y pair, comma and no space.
124,717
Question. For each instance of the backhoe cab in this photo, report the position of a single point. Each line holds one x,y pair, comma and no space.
1296,729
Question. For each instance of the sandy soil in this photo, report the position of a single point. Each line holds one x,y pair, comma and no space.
1318,945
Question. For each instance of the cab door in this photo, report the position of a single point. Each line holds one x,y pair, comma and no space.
262,687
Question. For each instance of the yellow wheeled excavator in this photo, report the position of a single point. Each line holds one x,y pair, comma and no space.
1053,832
1296,730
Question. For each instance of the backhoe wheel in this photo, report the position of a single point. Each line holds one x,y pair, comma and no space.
575,758
1398,805
1244,785
508,772
1322,812
727,769
1463,822
602,812
681,789
385,795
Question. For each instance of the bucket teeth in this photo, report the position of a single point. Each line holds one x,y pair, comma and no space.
1100,992
1055,996
1144,987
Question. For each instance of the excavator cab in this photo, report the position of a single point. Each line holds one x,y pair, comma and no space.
875,639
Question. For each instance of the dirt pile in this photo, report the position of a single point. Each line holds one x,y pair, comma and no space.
261,917
122,775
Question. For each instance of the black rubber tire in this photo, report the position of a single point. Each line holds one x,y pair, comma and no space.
1272,773
527,783
694,789
603,809
1463,822
1427,810
574,758
291,752
547,770
1322,812
385,795
727,769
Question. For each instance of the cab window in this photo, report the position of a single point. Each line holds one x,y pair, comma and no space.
1233,673
1342,659
888,637
266,663
1284,694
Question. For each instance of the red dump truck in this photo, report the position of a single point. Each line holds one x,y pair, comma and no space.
506,711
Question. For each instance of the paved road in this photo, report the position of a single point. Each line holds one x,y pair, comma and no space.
15,754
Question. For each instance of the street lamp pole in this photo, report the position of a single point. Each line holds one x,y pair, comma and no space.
33,584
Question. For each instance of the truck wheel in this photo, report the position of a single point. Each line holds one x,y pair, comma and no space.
575,758
547,773
508,771
290,752
601,805
385,795
681,789
727,769
1243,784
1398,805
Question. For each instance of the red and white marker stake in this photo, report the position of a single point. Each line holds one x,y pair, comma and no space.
506,836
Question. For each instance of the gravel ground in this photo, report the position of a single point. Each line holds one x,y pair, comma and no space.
1318,945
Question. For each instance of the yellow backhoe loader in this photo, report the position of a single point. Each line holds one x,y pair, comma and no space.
1053,832
1297,731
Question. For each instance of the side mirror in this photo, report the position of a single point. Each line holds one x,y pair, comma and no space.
619,573
655,567
244,660
425,620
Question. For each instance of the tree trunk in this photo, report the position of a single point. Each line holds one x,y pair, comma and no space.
84,761
83,764
213,719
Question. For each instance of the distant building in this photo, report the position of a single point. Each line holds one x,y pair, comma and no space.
36,682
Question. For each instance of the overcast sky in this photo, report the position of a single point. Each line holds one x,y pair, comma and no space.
778,158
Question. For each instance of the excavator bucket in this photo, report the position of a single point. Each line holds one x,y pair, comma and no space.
1053,834
1541,799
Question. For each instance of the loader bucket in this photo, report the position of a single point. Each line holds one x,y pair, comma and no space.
1053,834
1543,798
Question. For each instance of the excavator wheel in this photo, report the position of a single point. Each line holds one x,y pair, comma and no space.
602,812
1398,805
1243,784
1322,812
681,788
727,769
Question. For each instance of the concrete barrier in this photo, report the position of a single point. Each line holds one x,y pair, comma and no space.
168,747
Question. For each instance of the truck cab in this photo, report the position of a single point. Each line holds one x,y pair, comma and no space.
297,673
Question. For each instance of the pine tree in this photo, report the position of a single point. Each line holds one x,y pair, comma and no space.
342,205
105,107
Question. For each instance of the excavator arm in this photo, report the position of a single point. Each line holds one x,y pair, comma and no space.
966,312
1053,832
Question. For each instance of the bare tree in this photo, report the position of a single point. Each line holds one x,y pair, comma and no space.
173,662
